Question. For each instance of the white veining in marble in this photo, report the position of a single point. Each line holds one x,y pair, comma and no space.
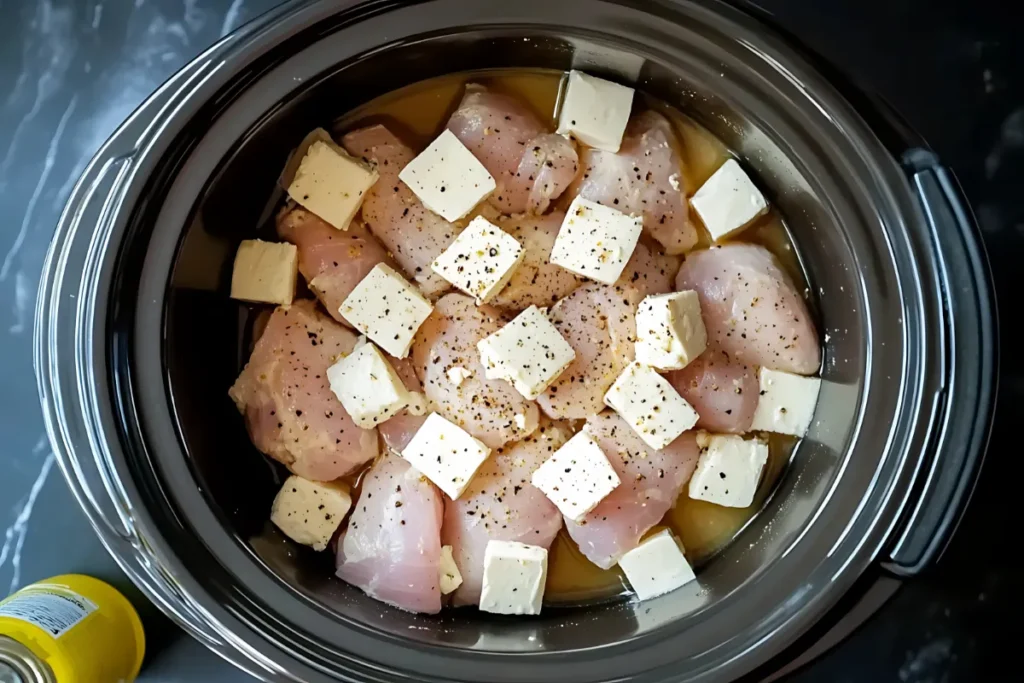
26,221
22,303
231,18
14,535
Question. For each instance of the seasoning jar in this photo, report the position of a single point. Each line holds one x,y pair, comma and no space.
69,629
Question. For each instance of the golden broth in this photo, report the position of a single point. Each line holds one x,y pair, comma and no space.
418,113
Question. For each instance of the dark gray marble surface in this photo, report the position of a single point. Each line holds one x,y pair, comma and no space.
71,70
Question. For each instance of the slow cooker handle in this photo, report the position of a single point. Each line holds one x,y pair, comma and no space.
964,407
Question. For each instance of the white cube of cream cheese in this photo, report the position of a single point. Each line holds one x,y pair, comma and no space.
595,111
330,183
446,454
728,202
528,353
656,566
650,405
265,272
387,309
447,178
577,477
309,512
481,260
786,403
514,578
451,577
670,332
367,386
729,469
596,241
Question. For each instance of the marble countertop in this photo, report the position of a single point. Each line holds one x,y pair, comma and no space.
71,70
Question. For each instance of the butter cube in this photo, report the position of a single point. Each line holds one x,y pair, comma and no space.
657,566
595,111
309,512
367,386
387,309
446,454
447,178
481,260
596,241
265,272
786,403
528,353
514,578
451,577
577,477
670,332
329,182
729,469
728,202
650,405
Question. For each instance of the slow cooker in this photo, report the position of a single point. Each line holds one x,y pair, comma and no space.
137,343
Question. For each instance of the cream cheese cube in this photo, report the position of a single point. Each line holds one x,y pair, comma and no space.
657,566
728,201
595,111
577,477
596,241
367,386
729,469
528,353
309,512
446,454
481,260
387,309
447,178
650,405
331,183
514,578
786,403
451,577
265,272
670,332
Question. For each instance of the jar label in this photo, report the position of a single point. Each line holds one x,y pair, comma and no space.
54,611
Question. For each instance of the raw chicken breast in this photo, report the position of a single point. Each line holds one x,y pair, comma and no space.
289,409
501,504
489,409
392,546
537,281
649,271
332,261
643,177
399,430
651,483
723,391
599,323
413,234
751,309
530,165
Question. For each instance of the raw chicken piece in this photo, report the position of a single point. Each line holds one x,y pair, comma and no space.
643,177
723,391
501,504
489,409
537,281
751,309
332,261
392,546
651,482
530,165
289,409
599,323
399,430
413,234
649,271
